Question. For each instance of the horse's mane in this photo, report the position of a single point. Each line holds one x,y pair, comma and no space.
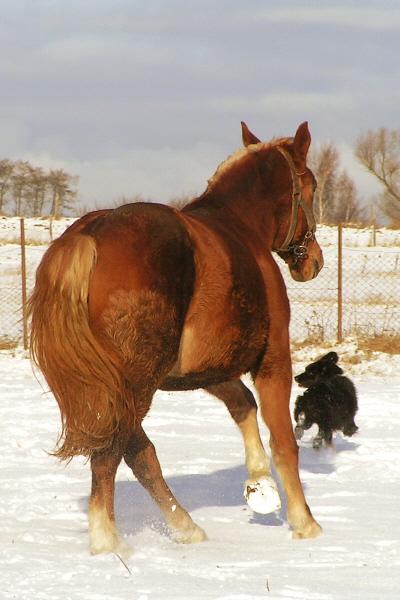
239,156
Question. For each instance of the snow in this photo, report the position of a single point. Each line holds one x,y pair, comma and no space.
42,230
352,489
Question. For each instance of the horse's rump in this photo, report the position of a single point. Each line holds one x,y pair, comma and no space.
105,323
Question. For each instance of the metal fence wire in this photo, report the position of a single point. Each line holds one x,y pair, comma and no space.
355,295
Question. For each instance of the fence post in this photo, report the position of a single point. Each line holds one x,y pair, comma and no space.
373,221
23,283
340,285
374,234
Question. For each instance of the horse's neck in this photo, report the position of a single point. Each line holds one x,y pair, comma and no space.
240,212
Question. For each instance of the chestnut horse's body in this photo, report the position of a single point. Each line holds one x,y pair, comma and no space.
145,297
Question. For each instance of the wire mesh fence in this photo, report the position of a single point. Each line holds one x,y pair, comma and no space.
356,293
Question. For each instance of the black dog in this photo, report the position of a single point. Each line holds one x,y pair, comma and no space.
330,401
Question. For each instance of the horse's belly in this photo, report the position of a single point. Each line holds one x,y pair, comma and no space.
210,354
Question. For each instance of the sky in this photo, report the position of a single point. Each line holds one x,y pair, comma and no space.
145,97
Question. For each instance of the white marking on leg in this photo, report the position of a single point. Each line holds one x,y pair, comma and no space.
257,461
260,489
104,536
317,441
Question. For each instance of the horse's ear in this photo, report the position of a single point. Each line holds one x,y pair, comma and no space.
302,141
248,137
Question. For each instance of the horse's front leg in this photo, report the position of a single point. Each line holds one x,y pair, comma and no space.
104,536
273,383
141,457
259,490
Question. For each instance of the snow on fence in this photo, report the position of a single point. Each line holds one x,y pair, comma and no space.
356,293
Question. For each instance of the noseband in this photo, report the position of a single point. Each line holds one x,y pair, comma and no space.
298,249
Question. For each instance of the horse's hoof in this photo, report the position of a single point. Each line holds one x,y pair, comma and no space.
193,535
312,530
262,495
117,546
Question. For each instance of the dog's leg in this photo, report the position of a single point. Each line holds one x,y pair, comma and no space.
299,429
317,441
350,429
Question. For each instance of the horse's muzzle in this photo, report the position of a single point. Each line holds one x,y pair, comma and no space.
306,270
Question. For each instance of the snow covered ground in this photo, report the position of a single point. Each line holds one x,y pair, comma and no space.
353,490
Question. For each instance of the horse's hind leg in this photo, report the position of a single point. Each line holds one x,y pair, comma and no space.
259,490
104,536
141,457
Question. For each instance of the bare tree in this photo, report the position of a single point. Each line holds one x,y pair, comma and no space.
324,163
347,208
336,195
379,152
20,183
62,193
28,190
37,191
6,170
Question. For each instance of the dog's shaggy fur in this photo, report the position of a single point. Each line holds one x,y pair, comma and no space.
330,401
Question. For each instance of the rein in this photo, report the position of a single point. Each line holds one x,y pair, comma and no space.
299,249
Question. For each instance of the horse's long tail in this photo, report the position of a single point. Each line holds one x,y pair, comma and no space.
80,373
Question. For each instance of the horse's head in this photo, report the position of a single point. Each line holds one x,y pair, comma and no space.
293,190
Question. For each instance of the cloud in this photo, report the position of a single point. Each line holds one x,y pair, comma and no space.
290,101
343,16
147,97
157,174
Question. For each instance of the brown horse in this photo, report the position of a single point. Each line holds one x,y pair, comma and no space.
145,297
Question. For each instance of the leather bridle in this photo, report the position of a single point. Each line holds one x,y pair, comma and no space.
297,249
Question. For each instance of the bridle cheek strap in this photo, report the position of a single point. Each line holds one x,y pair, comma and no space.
299,249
